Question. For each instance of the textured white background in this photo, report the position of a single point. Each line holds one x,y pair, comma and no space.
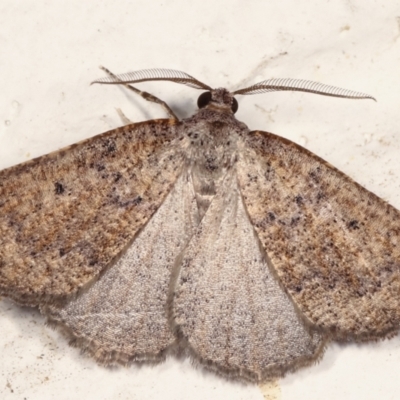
49,53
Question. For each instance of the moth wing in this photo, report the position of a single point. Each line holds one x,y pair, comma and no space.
122,317
67,215
334,245
227,304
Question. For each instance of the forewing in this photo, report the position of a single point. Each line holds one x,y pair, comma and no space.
122,317
67,215
334,245
228,305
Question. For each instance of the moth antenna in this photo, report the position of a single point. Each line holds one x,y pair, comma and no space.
154,75
301,85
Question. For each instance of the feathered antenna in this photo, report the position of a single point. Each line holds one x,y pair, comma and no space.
300,85
153,75
270,85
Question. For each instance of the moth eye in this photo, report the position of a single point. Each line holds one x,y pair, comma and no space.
235,105
203,99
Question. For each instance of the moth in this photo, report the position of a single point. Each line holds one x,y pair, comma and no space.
239,248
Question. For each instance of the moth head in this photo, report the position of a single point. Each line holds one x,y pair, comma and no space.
220,99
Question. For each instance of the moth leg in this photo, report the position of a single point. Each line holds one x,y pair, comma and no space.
125,120
147,96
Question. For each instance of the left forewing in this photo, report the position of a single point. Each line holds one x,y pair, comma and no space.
67,215
334,245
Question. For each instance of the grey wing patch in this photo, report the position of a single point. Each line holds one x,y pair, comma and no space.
228,305
334,245
122,317
65,216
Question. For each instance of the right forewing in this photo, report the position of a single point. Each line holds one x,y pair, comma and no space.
334,245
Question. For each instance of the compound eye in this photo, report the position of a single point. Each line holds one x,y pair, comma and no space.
235,106
204,99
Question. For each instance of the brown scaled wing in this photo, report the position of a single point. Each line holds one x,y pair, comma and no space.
65,216
334,245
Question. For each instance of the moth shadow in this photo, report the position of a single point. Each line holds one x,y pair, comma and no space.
339,353
18,315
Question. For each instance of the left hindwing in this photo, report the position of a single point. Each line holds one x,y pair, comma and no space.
334,245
